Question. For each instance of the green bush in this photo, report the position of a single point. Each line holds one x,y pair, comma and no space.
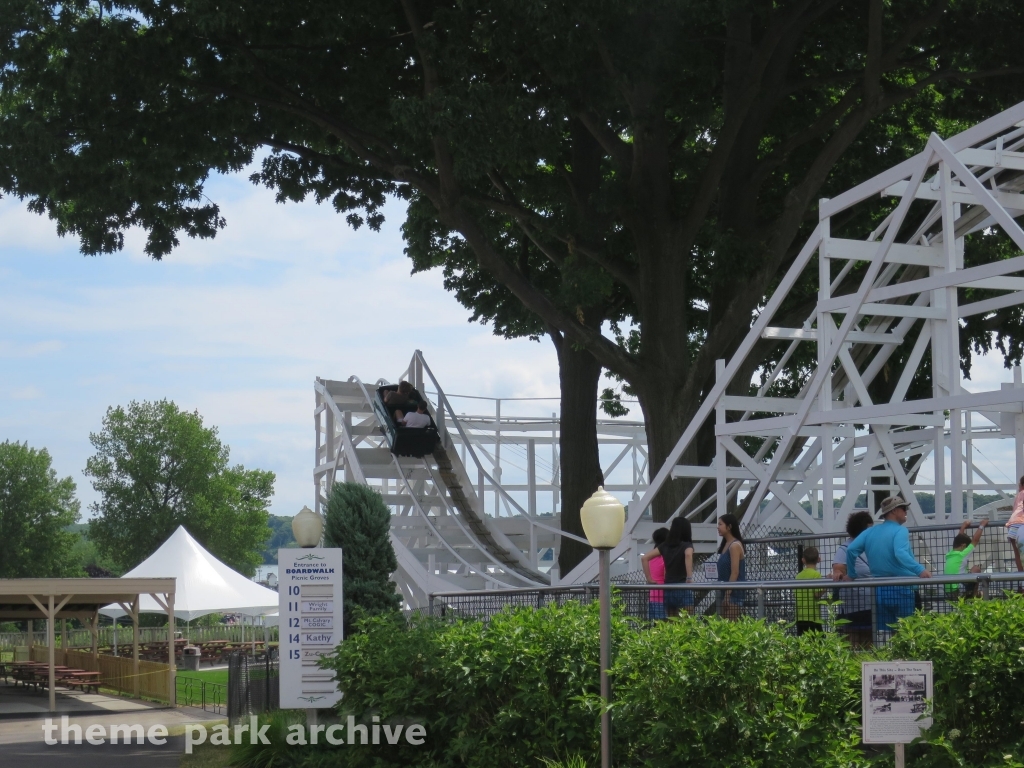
720,693
522,690
977,653
512,692
359,522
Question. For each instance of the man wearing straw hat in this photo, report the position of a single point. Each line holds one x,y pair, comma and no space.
887,547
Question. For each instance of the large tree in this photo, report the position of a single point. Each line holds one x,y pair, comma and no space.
662,159
157,467
36,508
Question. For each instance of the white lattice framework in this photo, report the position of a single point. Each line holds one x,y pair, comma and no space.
824,448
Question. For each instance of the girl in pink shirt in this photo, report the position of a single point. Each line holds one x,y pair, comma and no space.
1015,525
654,570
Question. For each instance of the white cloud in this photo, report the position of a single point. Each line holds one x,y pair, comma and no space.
26,393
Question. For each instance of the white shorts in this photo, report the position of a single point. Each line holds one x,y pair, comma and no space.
1013,532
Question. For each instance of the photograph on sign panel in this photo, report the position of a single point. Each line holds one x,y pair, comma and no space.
899,694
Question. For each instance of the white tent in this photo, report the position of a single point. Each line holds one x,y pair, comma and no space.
204,584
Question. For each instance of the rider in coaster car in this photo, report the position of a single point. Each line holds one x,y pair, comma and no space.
420,418
402,401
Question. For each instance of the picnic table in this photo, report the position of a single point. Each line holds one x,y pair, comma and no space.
80,678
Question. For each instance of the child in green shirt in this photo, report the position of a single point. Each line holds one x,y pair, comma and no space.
956,558
808,614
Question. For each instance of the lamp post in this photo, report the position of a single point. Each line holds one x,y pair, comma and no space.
603,518
307,528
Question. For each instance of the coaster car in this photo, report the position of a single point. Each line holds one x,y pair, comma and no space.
404,441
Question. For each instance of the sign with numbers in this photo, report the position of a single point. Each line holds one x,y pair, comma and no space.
310,595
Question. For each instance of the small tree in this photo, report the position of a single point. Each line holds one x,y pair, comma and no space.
36,507
358,521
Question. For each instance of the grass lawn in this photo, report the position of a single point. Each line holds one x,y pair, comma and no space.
208,675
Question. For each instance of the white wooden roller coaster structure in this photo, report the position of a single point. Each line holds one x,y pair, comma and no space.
483,512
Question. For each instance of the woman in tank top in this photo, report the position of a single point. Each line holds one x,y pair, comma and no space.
732,565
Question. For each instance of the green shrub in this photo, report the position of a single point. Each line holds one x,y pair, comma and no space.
522,690
278,754
720,693
359,522
511,692
977,652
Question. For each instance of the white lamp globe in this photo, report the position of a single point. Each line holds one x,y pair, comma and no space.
307,528
603,518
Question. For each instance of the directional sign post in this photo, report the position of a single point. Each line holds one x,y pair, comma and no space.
310,595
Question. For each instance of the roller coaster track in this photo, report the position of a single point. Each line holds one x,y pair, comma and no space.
442,533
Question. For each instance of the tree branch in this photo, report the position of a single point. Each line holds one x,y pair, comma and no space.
522,214
620,152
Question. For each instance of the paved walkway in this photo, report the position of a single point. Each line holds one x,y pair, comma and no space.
39,755
22,741
31,729
22,701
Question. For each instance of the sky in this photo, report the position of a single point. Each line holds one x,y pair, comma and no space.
237,327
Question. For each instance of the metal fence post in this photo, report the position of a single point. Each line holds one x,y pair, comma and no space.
874,616
983,581
760,603
430,605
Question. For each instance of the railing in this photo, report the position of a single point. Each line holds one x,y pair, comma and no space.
866,608
194,692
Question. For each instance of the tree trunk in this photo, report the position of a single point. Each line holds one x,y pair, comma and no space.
665,418
579,462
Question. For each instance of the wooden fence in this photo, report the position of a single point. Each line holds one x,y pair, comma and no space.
115,671
80,638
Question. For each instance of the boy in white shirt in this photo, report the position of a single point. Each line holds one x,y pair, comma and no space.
418,419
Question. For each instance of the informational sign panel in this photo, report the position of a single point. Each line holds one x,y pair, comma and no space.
310,599
711,569
896,700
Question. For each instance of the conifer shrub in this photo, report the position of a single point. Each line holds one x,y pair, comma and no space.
359,522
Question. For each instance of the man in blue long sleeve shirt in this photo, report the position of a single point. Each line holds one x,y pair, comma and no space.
887,548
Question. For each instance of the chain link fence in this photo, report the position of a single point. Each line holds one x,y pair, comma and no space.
866,609
254,685
778,557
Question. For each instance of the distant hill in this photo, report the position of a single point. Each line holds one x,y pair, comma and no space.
282,528
926,500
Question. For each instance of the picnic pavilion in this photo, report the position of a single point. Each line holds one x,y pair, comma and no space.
82,599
